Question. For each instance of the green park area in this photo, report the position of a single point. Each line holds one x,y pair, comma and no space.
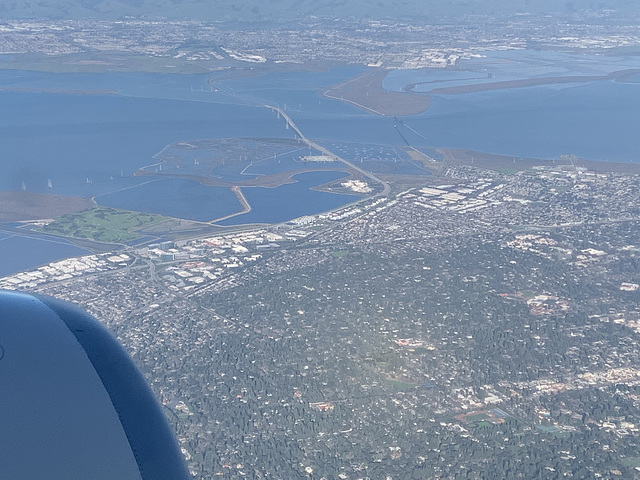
102,224
402,386
478,417
632,462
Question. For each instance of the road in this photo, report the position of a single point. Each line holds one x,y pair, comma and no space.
310,143
385,186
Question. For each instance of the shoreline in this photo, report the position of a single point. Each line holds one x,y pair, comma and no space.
246,207
619,76
367,93
492,161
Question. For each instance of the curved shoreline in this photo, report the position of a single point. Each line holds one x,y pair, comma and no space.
366,93
619,76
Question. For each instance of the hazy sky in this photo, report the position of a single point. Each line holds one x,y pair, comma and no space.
272,9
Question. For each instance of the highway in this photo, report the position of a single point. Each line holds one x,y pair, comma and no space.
385,186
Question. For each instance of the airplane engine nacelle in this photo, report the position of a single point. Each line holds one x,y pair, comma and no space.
72,403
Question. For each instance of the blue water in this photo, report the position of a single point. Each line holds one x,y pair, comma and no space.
90,144
19,253
144,85
177,198
76,139
594,120
87,133
294,92
426,79
275,205
597,121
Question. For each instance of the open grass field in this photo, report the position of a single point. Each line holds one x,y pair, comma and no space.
402,386
479,417
631,462
102,224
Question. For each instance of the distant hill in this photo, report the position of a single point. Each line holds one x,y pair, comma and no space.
252,10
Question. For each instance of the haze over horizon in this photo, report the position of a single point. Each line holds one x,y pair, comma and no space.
257,10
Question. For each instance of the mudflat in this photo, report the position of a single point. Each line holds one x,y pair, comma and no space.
24,206
366,93
620,76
